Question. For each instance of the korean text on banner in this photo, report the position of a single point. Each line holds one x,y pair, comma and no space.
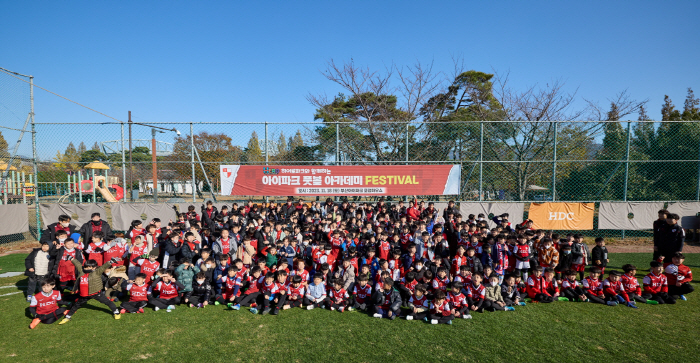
340,180
562,216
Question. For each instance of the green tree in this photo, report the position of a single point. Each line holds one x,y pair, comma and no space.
81,148
94,155
3,147
95,146
252,153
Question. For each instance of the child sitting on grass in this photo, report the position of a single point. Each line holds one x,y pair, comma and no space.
440,312
386,300
571,289
168,291
201,291
44,305
614,291
295,293
458,302
362,293
593,288
337,296
316,294
252,290
536,289
138,295
631,285
493,298
679,277
656,285
418,304
510,293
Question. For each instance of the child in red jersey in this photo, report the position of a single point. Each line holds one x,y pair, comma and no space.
656,285
361,293
614,291
458,302
229,288
44,305
295,293
149,266
63,267
337,296
251,292
407,285
269,291
477,294
571,289
551,285
418,303
167,289
536,289
441,281
386,300
440,311
137,250
95,249
679,277
138,295
632,287
116,248
593,288
459,260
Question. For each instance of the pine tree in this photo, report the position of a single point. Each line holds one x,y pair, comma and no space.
252,152
81,148
296,141
96,147
281,146
668,110
690,107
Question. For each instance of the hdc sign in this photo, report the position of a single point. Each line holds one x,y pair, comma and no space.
562,216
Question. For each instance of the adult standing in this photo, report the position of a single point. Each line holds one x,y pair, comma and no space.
673,238
659,226
96,223
63,224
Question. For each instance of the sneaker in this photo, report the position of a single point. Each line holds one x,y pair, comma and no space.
275,311
510,308
434,322
392,317
236,307
171,307
652,302
332,308
29,298
122,311
200,306
156,308
425,319
377,316
684,298
217,303
612,303
409,317
449,322
350,308
363,306
117,316
633,305
191,305
266,311
467,316
65,320
254,305
168,309
141,311
522,303
254,310
34,323
341,309
527,300
310,307
562,298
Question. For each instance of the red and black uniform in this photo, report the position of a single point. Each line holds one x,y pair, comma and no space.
679,278
476,296
45,306
148,268
251,294
458,302
361,295
295,295
571,289
613,289
229,291
168,294
656,288
632,288
536,289
118,250
421,303
440,284
64,268
138,298
441,312
337,298
593,290
95,252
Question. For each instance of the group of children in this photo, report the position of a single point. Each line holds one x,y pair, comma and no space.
387,261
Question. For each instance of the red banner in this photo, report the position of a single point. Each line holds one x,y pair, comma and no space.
340,180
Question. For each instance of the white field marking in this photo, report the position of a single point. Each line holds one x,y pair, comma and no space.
12,293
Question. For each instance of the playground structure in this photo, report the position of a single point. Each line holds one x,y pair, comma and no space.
17,186
84,188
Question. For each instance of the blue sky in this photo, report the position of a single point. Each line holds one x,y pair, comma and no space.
182,61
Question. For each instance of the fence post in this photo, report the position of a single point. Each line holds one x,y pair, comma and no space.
123,168
80,185
34,158
697,189
554,165
337,143
481,161
192,160
627,164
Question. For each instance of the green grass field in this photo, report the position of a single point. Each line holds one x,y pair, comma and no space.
557,332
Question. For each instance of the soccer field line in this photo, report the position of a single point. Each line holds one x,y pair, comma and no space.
12,293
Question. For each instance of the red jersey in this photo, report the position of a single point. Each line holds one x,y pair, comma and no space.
593,286
148,268
270,289
566,284
296,293
304,275
135,252
384,249
228,285
442,309
93,255
614,288
411,286
551,287
457,301
631,285
440,284
225,245
362,293
535,286
464,280
654,284
65,268
137,293
522,252
253,284
118,250
457,262
138,232
45,304
419,303
167,290
678,273
477,292
338,296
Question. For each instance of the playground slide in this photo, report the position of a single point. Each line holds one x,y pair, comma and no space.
106,194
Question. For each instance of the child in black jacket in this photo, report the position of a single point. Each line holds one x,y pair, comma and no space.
201,291
600,255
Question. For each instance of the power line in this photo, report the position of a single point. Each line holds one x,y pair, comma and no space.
14,74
